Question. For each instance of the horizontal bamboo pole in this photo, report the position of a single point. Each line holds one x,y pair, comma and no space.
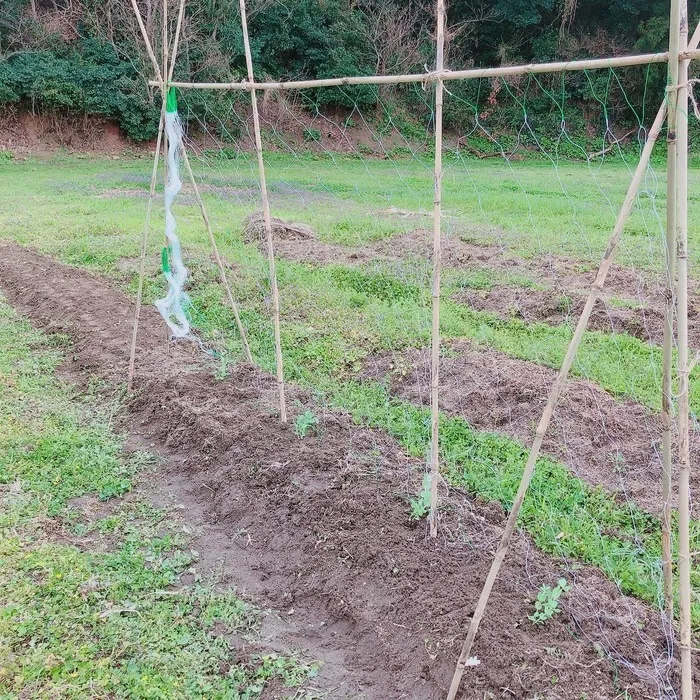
501,71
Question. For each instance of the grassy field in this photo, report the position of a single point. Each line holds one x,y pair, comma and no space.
90,213
565,208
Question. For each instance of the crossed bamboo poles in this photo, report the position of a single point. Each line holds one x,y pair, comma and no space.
678,56
207,224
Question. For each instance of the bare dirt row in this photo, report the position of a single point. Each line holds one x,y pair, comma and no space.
318,529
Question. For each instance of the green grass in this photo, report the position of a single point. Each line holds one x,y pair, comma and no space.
93,607
71,205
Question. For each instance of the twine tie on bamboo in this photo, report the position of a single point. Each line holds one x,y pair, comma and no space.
691,94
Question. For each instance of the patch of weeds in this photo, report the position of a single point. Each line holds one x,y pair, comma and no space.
420,506
547,602
621,303
306,423
311,134
478,279
565,304
380,285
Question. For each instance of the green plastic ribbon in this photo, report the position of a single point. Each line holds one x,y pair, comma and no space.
171,101
165,259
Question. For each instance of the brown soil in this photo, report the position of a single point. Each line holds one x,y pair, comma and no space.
644,321
23,132
606,442
318,530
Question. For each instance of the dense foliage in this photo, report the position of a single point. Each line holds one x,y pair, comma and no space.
86,57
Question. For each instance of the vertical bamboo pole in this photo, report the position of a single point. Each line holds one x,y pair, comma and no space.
683,370
667,369
164,70
144,244
266,218
437,229
552,400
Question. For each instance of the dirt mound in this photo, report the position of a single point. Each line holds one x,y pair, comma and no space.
318,528
254,230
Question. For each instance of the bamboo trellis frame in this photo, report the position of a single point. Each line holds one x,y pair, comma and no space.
678,57
467,74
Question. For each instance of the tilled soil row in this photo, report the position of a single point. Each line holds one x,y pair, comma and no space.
604,441
318,528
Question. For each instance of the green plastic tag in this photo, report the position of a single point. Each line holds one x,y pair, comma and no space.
171,101
165,260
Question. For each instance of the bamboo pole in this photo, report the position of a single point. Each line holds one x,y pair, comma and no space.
437,230
552,400
667,363
164,85
681,203
266,218
176,41
471,73
147,42
669,301
144,243
219,262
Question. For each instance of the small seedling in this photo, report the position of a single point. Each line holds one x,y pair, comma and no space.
547,603
421,505
305,422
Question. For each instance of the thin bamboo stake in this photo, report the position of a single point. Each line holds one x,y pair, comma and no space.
667,363
147,42
144,243
266,218
501,71
437,230
176,41
215,249
669,305
552,400
164,86
683,388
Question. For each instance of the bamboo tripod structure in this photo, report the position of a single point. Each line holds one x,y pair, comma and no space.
680,53
161,138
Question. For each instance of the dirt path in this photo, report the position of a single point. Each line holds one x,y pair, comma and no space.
318,530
